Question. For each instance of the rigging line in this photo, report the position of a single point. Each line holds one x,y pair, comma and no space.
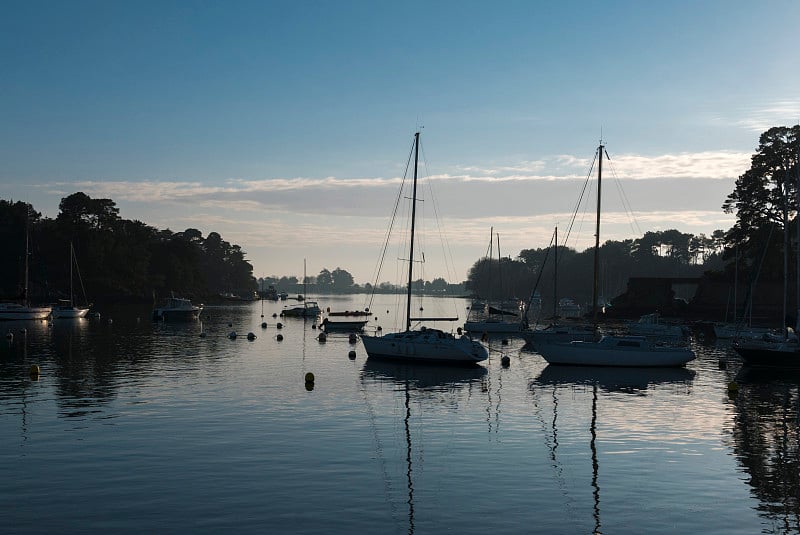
379,264
626,204
447,252
580,200
539,276
388,490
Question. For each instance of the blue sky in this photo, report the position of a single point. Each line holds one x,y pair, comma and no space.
284,125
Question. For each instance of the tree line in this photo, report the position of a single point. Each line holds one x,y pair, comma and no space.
340,281
117,258
561,272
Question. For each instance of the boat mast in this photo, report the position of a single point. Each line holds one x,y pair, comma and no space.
411,245
797,260
555,275
600,149
71,259
25,300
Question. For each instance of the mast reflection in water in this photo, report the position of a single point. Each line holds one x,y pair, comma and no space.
767,442
432,385
569,379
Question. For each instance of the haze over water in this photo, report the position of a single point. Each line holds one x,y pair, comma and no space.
141,427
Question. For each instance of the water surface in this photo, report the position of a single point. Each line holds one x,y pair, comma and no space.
137,426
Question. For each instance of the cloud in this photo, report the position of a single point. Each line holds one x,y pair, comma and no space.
781,112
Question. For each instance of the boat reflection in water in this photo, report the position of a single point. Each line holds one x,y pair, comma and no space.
428,383
767,442
634,381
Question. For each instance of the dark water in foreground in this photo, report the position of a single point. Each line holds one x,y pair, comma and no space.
138,427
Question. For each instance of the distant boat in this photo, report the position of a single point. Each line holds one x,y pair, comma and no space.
17,311
725,331
343,325
652,325
769,353
559,334
489,319
24,310
309,309
423,344
177,309
612,350
67,308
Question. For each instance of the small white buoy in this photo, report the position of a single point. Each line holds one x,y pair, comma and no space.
351,355
232,335
251,336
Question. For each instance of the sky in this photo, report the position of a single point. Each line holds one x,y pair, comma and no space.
286,126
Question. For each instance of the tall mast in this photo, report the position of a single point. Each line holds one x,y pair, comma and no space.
27,246
797,219
411,245
555,275
71,259
600,149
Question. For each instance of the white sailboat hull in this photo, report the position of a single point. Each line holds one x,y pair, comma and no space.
69,312
427,345
616,351
14,311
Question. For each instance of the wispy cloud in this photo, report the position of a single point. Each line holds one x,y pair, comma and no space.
779,113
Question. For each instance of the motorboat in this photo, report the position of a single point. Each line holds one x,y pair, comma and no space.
177,309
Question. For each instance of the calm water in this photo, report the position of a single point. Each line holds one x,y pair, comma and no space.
141,427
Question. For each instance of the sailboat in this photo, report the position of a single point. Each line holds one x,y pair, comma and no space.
309,309
492,320
424,344
611,350
557,332
67,309
771,351
23,310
